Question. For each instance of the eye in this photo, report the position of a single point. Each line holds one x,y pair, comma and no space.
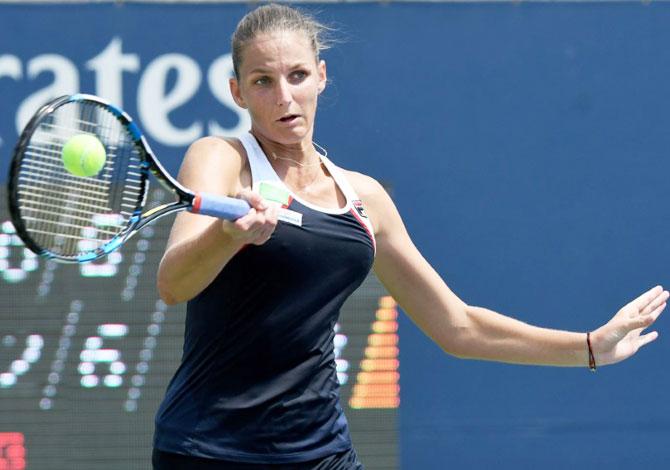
298,75
264,80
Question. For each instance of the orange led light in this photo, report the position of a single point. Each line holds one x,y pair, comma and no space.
385,327
387,314
374,402
377,377
381,352
381,339
377,385
387,302
370,365
376,390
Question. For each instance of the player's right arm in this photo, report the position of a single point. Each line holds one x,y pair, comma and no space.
200,246
469,331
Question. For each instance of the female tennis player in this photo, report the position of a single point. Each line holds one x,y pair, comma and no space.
257,385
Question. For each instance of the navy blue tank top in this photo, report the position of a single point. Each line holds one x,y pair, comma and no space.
257,381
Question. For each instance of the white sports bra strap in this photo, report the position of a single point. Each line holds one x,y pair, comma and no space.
340,179
353,201
261,170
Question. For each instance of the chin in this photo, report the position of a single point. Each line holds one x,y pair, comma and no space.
290,136
283,135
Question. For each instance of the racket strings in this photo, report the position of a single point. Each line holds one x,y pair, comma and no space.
67,214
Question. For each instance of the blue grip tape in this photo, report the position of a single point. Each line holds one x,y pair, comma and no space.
221,206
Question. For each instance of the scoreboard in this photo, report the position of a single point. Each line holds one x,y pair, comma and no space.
86,352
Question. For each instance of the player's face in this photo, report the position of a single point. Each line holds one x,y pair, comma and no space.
279,83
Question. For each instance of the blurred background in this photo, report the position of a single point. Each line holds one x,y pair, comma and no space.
524,143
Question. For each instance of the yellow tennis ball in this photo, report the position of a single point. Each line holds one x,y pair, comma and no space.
84,155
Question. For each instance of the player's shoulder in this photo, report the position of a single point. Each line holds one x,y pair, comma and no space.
365,185
212,160
376,200
215,145
225,153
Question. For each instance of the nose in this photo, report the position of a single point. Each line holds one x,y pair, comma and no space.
283,92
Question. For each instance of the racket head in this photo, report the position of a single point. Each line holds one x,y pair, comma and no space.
72,218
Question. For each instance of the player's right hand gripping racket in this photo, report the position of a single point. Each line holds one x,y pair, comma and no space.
55,212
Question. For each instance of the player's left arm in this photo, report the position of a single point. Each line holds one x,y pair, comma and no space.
474,332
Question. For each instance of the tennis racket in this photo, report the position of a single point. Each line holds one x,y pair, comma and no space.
75,219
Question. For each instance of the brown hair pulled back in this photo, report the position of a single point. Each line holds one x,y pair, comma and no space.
274,18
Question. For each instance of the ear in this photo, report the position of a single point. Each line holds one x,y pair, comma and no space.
235,92
323,76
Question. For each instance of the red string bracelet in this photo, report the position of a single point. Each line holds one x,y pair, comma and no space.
592,358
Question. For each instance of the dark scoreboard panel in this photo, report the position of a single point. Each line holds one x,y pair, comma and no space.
86,352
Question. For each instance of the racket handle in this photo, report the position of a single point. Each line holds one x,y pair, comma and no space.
223,207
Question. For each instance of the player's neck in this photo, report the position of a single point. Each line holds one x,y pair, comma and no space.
302,154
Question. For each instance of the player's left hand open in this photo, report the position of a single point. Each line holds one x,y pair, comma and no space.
622,336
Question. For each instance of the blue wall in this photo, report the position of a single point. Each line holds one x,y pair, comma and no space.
527,147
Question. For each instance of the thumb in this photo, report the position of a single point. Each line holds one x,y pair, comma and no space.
648,338
254,199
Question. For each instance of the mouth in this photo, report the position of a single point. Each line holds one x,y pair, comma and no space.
288,118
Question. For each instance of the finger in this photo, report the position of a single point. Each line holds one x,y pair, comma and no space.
642,322
657,311
257,229
245,222
254,199
648,338
271,220
265,231
655,303
267,220
645,299
255,224
272,214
